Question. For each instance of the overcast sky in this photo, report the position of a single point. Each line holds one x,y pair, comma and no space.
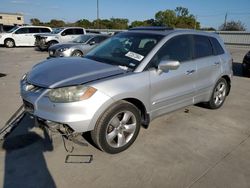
210,13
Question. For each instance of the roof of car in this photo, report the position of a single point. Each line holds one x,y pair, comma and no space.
166,30
34,26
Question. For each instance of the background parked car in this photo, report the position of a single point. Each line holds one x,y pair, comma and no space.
246,64
22,36
78,47
58,35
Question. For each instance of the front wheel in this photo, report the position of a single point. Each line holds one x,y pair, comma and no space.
117,128
219,94
77,53
9,43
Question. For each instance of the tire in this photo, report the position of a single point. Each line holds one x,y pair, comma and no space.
51,43
219,94
9,43
77,53
245,72
117,128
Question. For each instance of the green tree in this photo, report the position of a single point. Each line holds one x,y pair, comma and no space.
167,17
119,23
56,23
35,21
137,24
181,12
233,26
180,18
83,23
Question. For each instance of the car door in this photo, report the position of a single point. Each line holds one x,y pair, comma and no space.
67,35
30,36
21,37
208,67
175,88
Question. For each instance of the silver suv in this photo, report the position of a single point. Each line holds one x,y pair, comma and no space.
127,81
78,47
58,35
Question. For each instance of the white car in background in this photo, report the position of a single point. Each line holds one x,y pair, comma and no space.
58,35
22,35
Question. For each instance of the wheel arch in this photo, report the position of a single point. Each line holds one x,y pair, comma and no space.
9,38
227,78
145,119
54,40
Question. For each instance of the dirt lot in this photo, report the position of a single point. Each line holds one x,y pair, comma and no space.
192,147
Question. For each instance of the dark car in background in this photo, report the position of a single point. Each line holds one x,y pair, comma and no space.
246,64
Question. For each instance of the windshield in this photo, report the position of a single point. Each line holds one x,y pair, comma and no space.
56,30
125,49
13,29
82,39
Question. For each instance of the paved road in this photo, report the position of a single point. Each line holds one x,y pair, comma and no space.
192,147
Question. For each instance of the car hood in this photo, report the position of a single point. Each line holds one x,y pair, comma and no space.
62,72
63,45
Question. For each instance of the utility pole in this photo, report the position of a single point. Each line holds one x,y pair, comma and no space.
97,9
225,21
195,22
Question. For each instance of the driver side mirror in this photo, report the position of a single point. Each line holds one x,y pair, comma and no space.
91,43
63,34
166,65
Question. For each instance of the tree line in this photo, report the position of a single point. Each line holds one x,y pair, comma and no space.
180,17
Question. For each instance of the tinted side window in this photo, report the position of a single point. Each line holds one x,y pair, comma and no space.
22,31
218,50
44,30
178,48
33,30
102,38
78,31
68,32
203,47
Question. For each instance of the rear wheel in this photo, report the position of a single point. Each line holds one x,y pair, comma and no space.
219,94
77,53
9,43
117,128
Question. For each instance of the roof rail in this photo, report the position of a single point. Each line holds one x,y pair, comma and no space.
152,28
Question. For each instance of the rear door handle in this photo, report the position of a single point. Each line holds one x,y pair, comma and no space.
190,72
216,63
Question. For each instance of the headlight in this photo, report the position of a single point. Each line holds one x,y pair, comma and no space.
24,77
71,94
63,49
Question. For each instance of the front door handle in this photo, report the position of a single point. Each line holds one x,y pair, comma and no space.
190,72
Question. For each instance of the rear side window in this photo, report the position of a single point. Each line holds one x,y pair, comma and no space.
202,46
33,30
78,31
45,30
68,32
178,48
218,50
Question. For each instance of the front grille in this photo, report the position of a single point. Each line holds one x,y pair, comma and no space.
28,106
